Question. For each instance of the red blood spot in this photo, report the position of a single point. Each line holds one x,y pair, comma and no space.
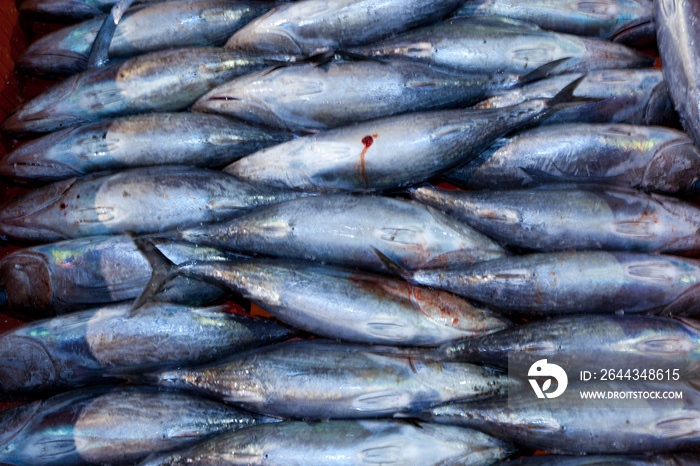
78,196
455,320
367,141
62,206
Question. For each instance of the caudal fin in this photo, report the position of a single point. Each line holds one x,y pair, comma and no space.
163,270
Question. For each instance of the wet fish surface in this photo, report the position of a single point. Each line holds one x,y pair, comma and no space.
66,11
111,426
342,229
325,380
139,200
143,29
84,348
135,141
668,459
343,443
638,97
164,81
312,26
574,218
650,158
54,279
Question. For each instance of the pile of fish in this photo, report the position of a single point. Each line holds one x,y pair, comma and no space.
283,156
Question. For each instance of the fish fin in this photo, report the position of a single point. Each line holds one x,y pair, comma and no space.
96,214
383,400
657,272
543,71
543,53
384,454
683,425
639,229
687,304
386,329
543,177
598,8
497,21
99,51
304,87
163,270
670,345
399,235
565,98
392,266
448,130
53,449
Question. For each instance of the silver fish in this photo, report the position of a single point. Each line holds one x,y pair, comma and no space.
566,218
140,200
67,11
497,45
135,141
677,32
312,26
162,81
336,303
111,426
388,153
618,20
310,97
668,459
143,29
342,443
342,229
569,426
324,380
638,97
650,158
573,282
54,279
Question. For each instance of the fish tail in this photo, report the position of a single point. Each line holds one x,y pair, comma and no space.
544,71
163,270
392,266
99,52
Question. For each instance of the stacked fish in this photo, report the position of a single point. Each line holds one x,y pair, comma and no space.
203,151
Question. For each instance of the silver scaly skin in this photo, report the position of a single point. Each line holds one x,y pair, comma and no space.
111,426
85,347
326,380
649,158
62,11
312,26
342,229
183,138
342,443
667,459
139,200
143,29
574,218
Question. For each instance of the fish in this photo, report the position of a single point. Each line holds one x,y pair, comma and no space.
309,27
572,282
164,81
87,347
317,96
334,302
54,279
111,426
388,153
617,20
185,138
501,45
341,229
638,97
574,218
580,342
316,379
144,28
662,459
677,31
342,442
65,11
566,425
138,200
650,158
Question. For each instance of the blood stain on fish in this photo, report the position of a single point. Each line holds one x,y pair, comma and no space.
367,141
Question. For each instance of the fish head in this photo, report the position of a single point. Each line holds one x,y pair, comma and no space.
270,34
674,167
659,108
27,366
25,285
12,422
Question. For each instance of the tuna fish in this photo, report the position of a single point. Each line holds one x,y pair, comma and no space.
342,229
639,426
135,141
66,10
338,93
111,426
650,158
388,153
668,459
619,20
637,97
145,28
84,347
560,219
497,45
312,26
140,200
336,303
573,282
677,32
342,443
54,279
164,81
